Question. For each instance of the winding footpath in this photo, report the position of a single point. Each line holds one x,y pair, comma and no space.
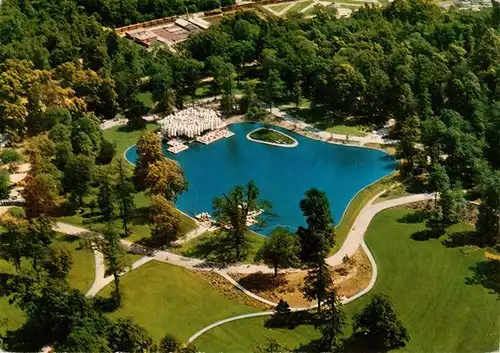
354,240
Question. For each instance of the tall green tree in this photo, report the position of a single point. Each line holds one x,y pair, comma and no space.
77,178
107,198
281,249
273,88
331,321
317,283
378,325
317,239
409,132
232,210
488,221
125,194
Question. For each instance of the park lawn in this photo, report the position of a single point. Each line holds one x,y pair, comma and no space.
425,279
82,273
80,277
124,137
299,6
347,130
197,247
169,299
280,7
245,335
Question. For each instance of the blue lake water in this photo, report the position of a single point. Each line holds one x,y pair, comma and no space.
282,174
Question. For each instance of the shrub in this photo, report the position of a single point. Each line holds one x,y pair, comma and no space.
9,155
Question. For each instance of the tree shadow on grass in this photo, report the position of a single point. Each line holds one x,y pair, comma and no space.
263,281
141,216
290,321
426,234
487,274
414,217
459,239
215,249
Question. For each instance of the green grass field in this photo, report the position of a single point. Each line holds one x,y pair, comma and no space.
425,279
279,7
124,138
169,299
299,6
80,277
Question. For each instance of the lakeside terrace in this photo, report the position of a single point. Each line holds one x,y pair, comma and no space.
193,124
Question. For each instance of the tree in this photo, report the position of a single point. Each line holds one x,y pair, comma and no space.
125,193
57,262
273,88
379,326
4,185
281,249
13,240
317,282
488,221
409,132
114,255
41,193
135,113
453,205
77,178
317,239
165,177
331,321
164,219
40,236
170,344
107,198
127,336
149,151
232,210
438,181
107,152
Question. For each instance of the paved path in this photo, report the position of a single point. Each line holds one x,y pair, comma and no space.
353,241
355,236
357,233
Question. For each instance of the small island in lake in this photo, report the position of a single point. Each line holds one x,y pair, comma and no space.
272,137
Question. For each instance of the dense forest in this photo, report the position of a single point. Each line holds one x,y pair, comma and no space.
437,73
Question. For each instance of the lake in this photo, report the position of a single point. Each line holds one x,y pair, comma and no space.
282,174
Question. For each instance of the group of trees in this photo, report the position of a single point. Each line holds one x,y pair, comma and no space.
435,72
162,179
375,329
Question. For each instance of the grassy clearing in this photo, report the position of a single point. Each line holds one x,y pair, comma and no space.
245,335
124,137
80,277
280,7
347,130
427,282
299,6
169,299
206,245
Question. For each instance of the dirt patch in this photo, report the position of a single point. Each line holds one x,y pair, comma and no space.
349,278
360,279
228,290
